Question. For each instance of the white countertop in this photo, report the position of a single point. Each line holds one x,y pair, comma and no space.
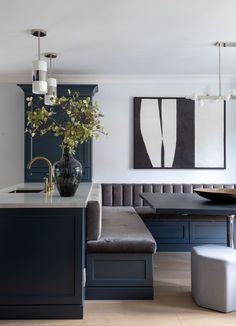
42,200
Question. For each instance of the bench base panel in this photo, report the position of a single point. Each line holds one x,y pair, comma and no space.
118,293
121,276
167,247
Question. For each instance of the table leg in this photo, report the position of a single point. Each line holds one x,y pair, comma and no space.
230,231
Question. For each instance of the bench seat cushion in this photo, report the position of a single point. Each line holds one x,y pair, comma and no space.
122,231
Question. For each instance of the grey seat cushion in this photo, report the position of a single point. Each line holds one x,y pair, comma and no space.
94,213
122,231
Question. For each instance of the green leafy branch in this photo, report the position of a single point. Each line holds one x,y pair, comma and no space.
82,120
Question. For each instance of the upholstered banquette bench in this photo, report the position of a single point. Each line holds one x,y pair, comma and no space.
172,232
119,246
119,252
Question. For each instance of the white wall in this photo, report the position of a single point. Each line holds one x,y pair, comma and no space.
11,135
113,154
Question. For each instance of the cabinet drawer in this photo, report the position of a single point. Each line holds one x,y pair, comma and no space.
208,232
169,232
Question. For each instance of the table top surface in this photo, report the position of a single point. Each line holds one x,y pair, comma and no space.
186,204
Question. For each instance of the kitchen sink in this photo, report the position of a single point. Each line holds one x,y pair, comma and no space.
25,191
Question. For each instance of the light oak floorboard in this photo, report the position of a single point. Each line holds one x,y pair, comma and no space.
172,306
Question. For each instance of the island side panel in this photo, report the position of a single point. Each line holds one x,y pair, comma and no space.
42,261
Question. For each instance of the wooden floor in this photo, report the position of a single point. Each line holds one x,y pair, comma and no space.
173,304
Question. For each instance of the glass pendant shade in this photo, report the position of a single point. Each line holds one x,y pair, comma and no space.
52,91
39,77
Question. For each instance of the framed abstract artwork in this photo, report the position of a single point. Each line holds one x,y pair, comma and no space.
178,133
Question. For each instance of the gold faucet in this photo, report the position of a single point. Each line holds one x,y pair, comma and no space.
48,185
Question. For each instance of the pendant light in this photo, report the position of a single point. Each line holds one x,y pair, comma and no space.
230,94
52,82
39,71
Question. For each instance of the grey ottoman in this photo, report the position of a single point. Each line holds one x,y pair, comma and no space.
213,272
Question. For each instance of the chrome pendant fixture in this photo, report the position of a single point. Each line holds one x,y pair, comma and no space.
39,70
52,82
231,94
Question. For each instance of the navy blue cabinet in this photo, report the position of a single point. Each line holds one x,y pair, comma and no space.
48,145
169,232
208,232
42,263
182,235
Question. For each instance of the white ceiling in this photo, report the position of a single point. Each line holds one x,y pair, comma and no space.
119,36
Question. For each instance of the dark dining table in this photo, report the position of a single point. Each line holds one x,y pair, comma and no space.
194,205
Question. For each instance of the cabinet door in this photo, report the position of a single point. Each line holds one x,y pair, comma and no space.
42,256
208,232
169,232
48,145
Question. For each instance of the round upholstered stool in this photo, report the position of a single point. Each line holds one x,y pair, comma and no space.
213,272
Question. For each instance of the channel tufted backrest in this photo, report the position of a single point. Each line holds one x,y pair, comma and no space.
128,194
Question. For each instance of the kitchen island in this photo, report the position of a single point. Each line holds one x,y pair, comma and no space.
41,253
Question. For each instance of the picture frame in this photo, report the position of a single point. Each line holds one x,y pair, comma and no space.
179,133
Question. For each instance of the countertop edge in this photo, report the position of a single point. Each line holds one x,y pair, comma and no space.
42,200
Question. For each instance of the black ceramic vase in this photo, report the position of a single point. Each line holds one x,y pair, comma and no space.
67,174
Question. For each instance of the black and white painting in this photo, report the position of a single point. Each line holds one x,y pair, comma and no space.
179,133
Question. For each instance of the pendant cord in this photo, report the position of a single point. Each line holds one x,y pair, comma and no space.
219,68
50,69
39,45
